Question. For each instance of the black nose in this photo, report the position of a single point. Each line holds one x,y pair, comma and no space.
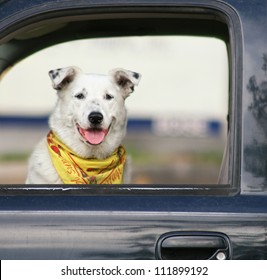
95,118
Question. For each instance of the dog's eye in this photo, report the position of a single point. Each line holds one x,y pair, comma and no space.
80,96
108,96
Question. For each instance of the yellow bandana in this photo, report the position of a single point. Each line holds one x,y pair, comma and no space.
75,170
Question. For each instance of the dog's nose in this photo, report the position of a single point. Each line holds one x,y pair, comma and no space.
95,118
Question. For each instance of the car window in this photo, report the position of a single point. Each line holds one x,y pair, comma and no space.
177,116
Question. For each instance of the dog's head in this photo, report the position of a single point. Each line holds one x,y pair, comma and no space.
93,105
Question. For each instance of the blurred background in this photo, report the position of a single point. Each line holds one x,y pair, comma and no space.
177,115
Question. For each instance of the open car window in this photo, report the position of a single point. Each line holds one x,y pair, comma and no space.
181,125
176,116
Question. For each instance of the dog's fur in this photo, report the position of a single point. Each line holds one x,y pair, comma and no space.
80,95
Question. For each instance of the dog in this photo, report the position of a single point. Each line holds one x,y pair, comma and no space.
88,124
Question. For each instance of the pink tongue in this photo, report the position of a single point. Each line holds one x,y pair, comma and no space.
94,136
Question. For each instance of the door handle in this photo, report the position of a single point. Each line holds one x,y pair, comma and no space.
193,246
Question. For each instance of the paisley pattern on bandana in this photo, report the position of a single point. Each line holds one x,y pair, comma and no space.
73,169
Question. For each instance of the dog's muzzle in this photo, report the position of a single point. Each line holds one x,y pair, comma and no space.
95,134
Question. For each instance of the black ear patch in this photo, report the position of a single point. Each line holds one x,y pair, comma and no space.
54,73
63,76
125,79
136,75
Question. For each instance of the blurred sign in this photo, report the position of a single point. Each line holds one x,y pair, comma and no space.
187,127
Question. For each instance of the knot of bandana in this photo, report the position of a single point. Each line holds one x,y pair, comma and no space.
73,169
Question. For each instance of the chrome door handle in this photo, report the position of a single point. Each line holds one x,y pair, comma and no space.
193,246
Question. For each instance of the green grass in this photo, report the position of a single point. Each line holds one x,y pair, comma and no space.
211,157
141,157
11,157
194,158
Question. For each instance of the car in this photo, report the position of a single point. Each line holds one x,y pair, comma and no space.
185,220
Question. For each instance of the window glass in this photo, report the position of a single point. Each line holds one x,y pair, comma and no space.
177,115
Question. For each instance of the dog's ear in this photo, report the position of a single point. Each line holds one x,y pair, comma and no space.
63,76
125,79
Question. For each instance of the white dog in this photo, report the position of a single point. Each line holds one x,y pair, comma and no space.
87,128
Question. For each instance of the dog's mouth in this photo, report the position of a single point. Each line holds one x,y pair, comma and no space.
93,136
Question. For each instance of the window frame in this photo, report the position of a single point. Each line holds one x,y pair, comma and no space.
82,11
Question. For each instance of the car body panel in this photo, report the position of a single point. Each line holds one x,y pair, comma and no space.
126,223
89,227
119,235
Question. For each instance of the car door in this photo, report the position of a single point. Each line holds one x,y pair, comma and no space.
149,219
